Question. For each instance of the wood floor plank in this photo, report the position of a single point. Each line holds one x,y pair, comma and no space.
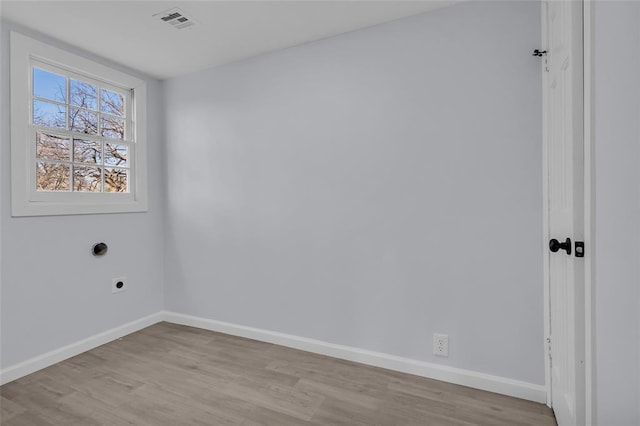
169,374
26,419
9,409
341,412
260,416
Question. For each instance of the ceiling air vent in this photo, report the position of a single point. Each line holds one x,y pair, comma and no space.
176,18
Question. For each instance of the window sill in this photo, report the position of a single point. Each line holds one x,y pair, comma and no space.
44,208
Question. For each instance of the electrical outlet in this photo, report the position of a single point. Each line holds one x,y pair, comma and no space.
118,284
440,344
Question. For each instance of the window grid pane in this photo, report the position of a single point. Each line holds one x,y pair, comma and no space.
87,179
52,147
49,114
112,127
48,85
87,151
52,176
116,180
84,95
79,164
83,121
112,103
116,155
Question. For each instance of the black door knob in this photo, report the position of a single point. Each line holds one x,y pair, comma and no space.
555,245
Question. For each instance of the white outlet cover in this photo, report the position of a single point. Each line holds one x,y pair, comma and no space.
440,344
114,284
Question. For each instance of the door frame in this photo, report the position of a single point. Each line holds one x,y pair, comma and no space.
589,212
589,218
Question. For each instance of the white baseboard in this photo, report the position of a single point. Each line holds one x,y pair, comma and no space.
45,360
458,376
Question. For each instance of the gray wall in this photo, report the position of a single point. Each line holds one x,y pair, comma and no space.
617,148
53,291
369,190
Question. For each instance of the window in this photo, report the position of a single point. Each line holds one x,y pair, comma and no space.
77,130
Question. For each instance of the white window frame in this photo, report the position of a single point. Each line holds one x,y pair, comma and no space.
25,199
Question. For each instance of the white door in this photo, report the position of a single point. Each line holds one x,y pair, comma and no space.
564,152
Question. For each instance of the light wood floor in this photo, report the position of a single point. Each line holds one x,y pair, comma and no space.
174,375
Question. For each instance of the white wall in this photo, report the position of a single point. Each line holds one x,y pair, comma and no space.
54,292
617,149
369,190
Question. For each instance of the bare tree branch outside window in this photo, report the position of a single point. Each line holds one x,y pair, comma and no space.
92,111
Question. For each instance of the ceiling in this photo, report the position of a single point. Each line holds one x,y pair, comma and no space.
226,31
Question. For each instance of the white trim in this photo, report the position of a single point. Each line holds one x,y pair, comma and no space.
497,384
45,360
545,210
457,376
23,202
589,216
